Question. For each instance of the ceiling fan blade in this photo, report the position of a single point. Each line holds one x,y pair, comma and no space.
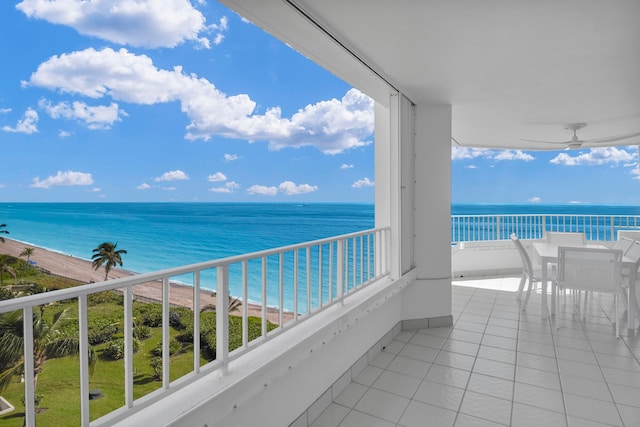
611,138
546,142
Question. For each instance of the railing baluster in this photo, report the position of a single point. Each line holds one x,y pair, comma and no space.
29,375
222,316
83,355
264,296
128,346
196,321
331,271
353,263
296,309
319,275
340,270
166,364
281,291
245,303
308,267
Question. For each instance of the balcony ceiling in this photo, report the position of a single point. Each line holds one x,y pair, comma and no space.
512,70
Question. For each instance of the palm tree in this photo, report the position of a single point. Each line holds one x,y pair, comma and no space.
107,254
48,343
27,252
3,232
5,268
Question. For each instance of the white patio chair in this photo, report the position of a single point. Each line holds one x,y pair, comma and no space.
623,244
530,273
593,270
566,238
633,253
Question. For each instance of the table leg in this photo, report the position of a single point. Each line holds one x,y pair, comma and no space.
544,289
631,320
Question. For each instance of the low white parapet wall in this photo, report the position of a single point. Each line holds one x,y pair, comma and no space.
487,258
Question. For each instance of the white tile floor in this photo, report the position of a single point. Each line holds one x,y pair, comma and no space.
499,366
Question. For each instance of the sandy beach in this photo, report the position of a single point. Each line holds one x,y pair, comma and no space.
81,270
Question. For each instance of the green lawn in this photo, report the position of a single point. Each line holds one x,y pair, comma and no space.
59,384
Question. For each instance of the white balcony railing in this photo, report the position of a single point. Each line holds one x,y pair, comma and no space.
469,228
307,277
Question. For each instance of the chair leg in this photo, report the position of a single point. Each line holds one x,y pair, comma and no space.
521,287
526,298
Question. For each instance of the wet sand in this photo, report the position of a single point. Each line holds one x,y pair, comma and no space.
82,270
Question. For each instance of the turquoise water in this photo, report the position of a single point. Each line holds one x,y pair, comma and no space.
157,236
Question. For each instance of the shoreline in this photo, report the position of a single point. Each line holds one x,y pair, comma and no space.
79,269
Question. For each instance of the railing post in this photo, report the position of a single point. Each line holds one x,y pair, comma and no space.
498,229
222,316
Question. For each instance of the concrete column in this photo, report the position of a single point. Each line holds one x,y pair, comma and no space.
427,302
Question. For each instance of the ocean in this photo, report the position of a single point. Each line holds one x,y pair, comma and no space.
164,235
158,236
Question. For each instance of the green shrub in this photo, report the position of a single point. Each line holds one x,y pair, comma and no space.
105,297
141,332
156,365
180,318
174,348
115,349
148,314
101,330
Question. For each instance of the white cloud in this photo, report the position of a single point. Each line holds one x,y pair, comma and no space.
99,117
364,182
141,23
513,155
176,175
229,187
96,189
263,190
143,186
534,199
5,110
230,157
68,178
28,124
471,167
64,134
331,126
594,157
169,188
461,153
217,177
290,188
346,166
467,153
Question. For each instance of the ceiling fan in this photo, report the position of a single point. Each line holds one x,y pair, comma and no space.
576,142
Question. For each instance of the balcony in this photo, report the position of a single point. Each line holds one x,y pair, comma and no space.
374,361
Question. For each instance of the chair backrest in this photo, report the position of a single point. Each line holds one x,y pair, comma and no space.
623,244
634,251
589,268
565,239
524,256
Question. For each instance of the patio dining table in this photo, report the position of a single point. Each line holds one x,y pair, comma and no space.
548,254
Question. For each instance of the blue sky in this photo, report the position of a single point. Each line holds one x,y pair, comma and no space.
171,100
